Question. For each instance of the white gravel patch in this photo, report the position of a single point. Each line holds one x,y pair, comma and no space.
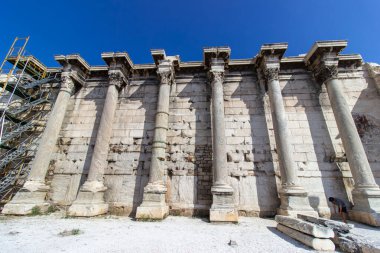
121,234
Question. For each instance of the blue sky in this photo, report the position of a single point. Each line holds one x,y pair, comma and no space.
185,27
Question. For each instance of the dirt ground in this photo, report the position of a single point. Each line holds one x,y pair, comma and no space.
53,233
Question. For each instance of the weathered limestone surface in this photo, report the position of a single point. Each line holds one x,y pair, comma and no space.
315,243
223,206
293,196
154,204
305,227
353,243
35,189
323,60
253,160
336,226
90,199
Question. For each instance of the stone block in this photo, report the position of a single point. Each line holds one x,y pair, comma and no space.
336,226
355,243
305,227
24,202
315,243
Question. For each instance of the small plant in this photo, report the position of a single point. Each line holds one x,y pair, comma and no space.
74,231
36,211
51,209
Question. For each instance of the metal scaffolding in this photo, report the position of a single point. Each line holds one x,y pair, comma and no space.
26,98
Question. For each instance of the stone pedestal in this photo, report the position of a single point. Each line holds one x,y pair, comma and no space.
223,207
34,190
154,206
294,202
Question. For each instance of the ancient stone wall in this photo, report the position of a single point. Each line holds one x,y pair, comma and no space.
251,150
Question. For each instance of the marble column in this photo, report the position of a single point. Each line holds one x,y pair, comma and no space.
293,196
366,193
35,189
223,207
90,199
154,206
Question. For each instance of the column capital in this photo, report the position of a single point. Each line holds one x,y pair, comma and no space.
215,56
323,59
166,65
216,60
216,70
120,67
117,78
268,60
76,66
67,83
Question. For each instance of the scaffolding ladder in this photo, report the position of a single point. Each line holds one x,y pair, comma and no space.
25,93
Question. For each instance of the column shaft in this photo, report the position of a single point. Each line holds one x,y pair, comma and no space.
284,148
223,206
218,130
49,137
352,144
154,204
99,156
34,190
160,131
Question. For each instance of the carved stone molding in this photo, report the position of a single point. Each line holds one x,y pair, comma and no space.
166,77
216,76
324,72
217,70
116,78
271,73
67,83
325,67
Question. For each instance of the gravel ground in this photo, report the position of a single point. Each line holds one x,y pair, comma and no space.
121,234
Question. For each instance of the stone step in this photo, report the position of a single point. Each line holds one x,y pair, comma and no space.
315,243
337,226
315,230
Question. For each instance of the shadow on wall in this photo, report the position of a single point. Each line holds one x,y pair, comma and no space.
71,170
251,161
314,151
191,149
130,147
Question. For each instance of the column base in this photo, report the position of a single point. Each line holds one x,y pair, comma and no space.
295,201
223,207
367,206
154,206
90,201
32,195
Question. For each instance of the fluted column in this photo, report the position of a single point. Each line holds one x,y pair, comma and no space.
366,193
90,199
154,205
293,196
223,208
34,190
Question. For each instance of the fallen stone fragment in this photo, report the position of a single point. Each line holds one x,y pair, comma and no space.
351,243
315,243
337,226
232,243
315,230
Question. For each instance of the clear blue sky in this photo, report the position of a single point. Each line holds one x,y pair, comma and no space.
90,27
